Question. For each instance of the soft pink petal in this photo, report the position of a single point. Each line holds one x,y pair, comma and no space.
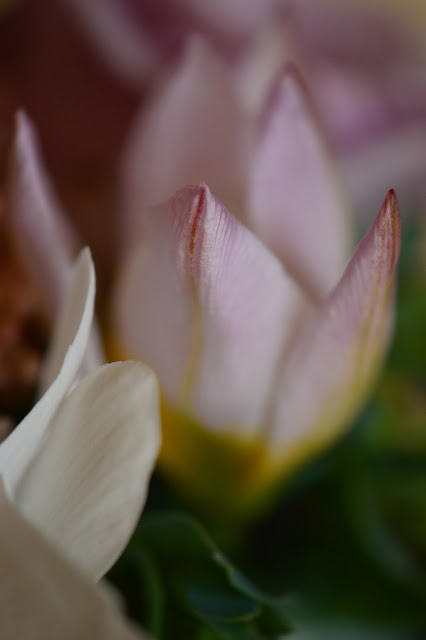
39,226
42,596
239,19
135,36
121,43
192,131
211,310
40,230
295,200
333,366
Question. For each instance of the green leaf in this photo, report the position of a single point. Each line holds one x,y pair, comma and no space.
206,584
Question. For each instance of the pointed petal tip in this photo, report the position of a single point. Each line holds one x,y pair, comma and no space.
289,81
21,119
85,256
84,264
193,189
390,205
390,227
25,139
292,76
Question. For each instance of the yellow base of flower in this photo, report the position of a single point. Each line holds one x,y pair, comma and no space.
232,478
222,474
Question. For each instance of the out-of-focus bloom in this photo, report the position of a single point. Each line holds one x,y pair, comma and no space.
260,365
195,129
81,110
365,66
136,37
42,596
82,69
253,385
78,464
38,249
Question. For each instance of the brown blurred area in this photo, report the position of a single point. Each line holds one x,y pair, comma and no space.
80,109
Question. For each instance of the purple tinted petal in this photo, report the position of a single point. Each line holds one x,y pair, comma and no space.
338,356
295,200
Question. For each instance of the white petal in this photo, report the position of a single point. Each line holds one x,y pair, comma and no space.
42,597
17,451
86,488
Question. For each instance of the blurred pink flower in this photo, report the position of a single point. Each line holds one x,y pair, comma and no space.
81,110
81,70
365,67
364,63
38,250
270,353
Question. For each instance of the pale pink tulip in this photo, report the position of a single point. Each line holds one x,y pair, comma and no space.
364,63
269,353
365,66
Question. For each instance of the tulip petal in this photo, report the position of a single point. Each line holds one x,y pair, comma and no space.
338,357
17,451
237,19
210,309
86,488
295,201
191,132
42,596
124,46
40,230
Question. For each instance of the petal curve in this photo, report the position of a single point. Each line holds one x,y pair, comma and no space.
339,355
86,488
44,239
295,200
211,309
17,451
44,597
191,132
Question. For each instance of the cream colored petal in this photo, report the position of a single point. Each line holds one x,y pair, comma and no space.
86,488
42,596
18,450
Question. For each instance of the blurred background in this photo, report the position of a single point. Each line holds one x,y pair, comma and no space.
342,553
